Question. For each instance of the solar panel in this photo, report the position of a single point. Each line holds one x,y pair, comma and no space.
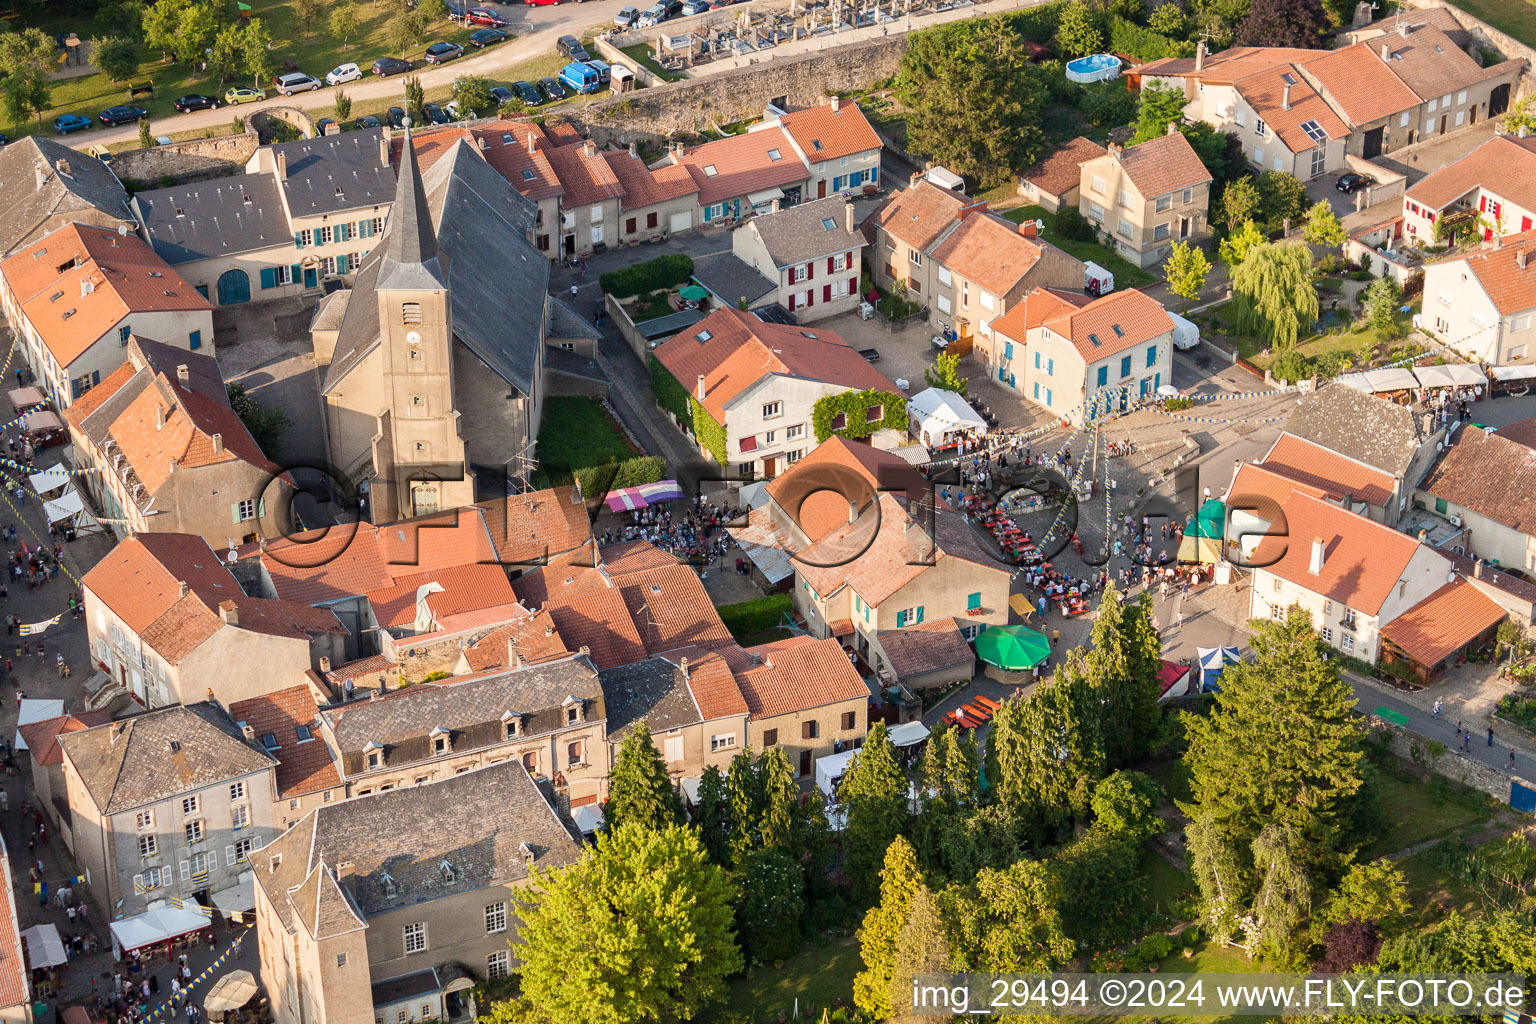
1314,131
1288,78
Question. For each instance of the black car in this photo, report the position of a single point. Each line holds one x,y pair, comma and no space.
386,66
570,46
552,88
395,116
441,53
197,101
435,113
486,36
501,94
367,121
528,93
122,115
1352,182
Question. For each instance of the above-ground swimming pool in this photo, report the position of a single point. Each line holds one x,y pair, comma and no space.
1097,67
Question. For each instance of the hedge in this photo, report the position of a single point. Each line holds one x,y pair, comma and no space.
711,434
854,404
756,615
652,275
597,481
1143,43
670,394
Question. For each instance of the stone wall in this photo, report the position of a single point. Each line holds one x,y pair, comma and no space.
192,160
1449,764
649,116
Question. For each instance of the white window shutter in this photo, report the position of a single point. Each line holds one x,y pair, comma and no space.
257,843
213,859
186,871
138,882
229,854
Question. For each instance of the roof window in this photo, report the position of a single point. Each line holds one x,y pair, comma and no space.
816,144
704,336
827,223
775,155
710,170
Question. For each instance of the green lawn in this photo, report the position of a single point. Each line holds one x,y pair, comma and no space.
577,432
1431,892
1414,811
1127,274
1360,346
818,975
1165,883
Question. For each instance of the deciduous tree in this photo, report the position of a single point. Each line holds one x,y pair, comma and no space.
1273,296
639,789
1007,921
116,56
1170,20
1282,197
1381,301
1185,270
873,796
1236,246
415,98
473,93
1323,227
345,19
28,57
1079,31
1376,892
770,903
1125,806
1298,23
1240,203
944,374
921,948
308,14
404,32
1045,752
257,49
182,29
882,927
1159,106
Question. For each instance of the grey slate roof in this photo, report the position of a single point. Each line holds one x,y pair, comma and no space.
88,184
406,986
730,278
497,281
799,233
1359,426
565,322
350,162
160,754
222,217
573,364
470,709
413,845
655,690
330,309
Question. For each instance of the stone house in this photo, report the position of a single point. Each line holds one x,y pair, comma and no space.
42,739
690,703
286,724
1495,183
656,202
1355,485
361,921
66,188
1483,482
75,297
813,251
143,833
1148,197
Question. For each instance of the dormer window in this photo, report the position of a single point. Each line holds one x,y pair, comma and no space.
513,724
574,710
390,889
527,852
373,756
447,870
442,742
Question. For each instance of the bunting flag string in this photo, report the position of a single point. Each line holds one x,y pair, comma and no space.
169,1007
34,628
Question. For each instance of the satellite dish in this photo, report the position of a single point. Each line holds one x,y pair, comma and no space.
232,557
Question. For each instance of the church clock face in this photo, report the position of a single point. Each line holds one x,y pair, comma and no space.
413,338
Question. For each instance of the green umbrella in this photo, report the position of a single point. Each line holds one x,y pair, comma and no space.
243,7
694,293
1012,648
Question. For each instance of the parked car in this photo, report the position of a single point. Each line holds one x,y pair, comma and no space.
570,46
367,121
1352,182
395,116
295,81
528,93
695,6
386,66
456,12
603,68
580,77
442,53
196,101
485,37
64,124
162,140
4,138
627,17
239,94
542,3
501,94
101,153
343,73
115,116
435,113
659,12
481,16
551,88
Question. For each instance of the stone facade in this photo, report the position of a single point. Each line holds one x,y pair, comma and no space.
192,160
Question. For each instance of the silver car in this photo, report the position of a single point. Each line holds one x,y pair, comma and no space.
293,82
653,16
627,17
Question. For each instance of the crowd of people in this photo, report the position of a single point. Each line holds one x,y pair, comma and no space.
697,535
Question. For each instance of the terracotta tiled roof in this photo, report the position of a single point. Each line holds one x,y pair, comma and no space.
918,216
1227,66
734,350
587,179
1362,561
990,251
532,635
1362,87
170,426
796,674
743,164
1265,93
712,683
363,671
503,144
1511,287
43,737
600,621
14,987
465,588
79,282
442,540
644,187
927,647
1262,491
330,564
1443,623
1061,171
826,134
1162,165
1521,432
819,502
303,766
528,529
1431,64
671,609
1110,325
93,399
1040,305
1504,165
556,582
140,579
634,556
1333,473
1490,475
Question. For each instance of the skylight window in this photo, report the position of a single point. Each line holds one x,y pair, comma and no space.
816,144
775,155
527,174
828,223
1314,131
1288,78
1118,332
705,335
1094,338
710,171
807,334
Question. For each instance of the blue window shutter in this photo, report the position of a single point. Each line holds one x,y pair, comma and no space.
1007,350
297,270
919,613
874,174
901,619
269,277
1012,380
1125,366
1157,380
1002,374
1103,376
301,238
973,602
1152,356
1037,390
1047,396
1037,360
95,377
74,390
195,340
1050,367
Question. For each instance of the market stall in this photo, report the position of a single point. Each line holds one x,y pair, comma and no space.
44,946
1511,380
163,925
239,898
938,417
43,428
1172,680
54,478
23,399
1213,661
1453,375
229,993
68,511
1201,543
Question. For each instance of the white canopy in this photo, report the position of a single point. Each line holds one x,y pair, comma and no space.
34,709
1357,381
830,770
1458,374
152,926
1505,373
1392,378
690,787
44,947
908,733
49,479
588,818
64,506
239,898
230,992
937,413
1467,374
754,494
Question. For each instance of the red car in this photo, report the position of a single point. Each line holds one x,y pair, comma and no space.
542,3
481,16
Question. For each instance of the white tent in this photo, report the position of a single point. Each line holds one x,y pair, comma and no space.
69,508
754,494
588,818
44,947
908,733
50,479
935,414
1519,372
35,709
159,925
831,769
239,898
1452,375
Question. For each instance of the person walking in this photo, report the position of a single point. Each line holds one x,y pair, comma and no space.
1511,765
1055,636
1490,735
1437,707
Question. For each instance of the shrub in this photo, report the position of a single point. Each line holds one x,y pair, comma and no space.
432,677
756,615
1292,366
670,394
597,481
661,272
1071,225
1144,43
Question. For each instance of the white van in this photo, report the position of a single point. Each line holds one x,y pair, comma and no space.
1186,333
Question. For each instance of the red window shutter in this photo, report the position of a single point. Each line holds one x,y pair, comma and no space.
1482,203
831,264
810,271
791,302
1488,234
1525,223
850,259
810,297
853,286
826,293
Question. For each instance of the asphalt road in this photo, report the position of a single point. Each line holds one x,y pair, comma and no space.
536,29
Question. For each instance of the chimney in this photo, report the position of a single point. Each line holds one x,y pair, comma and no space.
42,176
1386,51
837,102
117,729
634,150
249,732
1200,55
1173,128
384,149
589,149
549,630
1114,151
917,176
325,665
698,392
850,222
159,416
1028,229
1520,259
980,206
62,165
1477,568
184,588
229,612
1522,131
682,666
182,373
533,144
1285,97
1402,29
218,443
1316,567
775,206
282,166
376,694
